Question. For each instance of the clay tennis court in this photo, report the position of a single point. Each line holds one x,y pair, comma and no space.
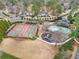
28,49
23,30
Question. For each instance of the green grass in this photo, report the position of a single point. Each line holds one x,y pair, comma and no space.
34,38
4,25
32,22
63,50
7,56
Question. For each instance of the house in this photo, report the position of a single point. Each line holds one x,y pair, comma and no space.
28,15
43,16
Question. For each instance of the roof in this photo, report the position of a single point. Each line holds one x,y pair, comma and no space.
23,31
43,14
28,13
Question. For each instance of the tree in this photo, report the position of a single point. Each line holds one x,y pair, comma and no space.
35,9
26,3
37,4
74,11
55,6
13,2
2,6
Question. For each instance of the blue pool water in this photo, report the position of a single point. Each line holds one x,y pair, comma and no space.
59,29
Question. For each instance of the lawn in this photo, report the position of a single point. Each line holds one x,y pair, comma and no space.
7,56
